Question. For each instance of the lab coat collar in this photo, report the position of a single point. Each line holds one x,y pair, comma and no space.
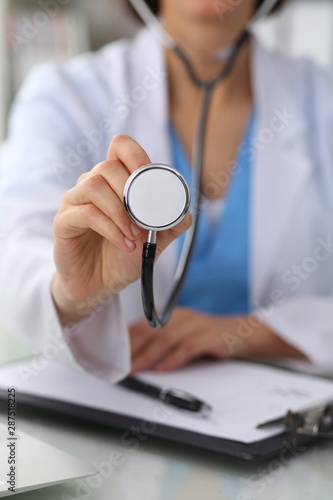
281,163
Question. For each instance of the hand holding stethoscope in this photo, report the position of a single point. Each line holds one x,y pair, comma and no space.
95,251
97,247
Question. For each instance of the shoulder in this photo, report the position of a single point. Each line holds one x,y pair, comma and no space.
299,87
85,73
95,84
297,75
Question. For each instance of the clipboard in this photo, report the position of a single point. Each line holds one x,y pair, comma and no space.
257,451
186,430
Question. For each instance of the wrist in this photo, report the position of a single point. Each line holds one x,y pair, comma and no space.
248,337
68,309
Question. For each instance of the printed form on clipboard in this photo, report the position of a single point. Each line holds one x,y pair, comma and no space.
242,395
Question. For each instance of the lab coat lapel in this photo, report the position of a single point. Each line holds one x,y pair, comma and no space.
281,164
149,80
148,125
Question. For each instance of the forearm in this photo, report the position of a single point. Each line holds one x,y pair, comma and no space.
255,341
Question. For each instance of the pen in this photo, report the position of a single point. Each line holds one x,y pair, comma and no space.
173,397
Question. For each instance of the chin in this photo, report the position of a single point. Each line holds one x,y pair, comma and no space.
209,9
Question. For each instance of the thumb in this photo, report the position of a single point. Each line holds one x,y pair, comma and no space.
164,238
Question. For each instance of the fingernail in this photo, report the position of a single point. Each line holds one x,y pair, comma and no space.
129,244
136,231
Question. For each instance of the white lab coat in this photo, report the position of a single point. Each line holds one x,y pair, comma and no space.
61,126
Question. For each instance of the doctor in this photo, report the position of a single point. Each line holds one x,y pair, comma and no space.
261,280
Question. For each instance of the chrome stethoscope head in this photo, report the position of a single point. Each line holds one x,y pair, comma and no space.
156,197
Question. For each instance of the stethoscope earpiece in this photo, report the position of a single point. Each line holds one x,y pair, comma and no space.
156,197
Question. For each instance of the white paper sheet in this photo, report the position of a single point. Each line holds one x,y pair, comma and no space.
242,394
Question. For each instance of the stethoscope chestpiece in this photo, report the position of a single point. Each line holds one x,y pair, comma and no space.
156,197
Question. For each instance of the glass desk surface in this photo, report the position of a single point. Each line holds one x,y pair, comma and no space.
154,469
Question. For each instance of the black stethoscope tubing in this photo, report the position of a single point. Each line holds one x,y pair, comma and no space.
149,249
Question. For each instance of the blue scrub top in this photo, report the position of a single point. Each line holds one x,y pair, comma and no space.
218,276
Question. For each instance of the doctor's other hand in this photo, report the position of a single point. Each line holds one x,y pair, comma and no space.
97,248
190,335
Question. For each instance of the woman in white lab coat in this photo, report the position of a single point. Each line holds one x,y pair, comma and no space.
76,132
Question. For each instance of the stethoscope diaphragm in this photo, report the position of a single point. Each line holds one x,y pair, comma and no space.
156,197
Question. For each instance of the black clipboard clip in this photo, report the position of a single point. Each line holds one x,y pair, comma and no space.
316,421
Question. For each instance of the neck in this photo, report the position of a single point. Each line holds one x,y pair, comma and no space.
203,35
235,87
200,38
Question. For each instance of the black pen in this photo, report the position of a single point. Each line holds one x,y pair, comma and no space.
173,397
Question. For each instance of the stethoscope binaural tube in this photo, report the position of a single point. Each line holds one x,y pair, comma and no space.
230,55
156,197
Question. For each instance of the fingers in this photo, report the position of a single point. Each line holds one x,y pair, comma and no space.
151,346
183,353
128,151
188,336
153,351
101,190
140,334
103,187
88,216
113,171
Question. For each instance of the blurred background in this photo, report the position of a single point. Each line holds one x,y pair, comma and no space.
32,31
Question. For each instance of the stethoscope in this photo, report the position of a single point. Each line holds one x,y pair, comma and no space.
157,196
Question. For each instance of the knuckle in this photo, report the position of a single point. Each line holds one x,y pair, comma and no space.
94,183
111,229
118,210
119,139
89,212
59,220
66,197
103,167
148,358
108,170
189,349
137,156
82,177
166,341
